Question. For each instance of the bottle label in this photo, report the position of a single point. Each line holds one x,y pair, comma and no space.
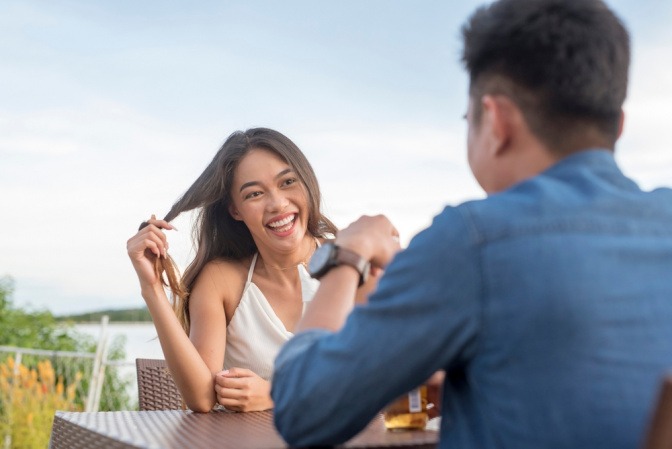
414,401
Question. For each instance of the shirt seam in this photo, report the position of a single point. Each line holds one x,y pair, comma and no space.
575,226
477,241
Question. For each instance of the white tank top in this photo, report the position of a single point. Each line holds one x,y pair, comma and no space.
255,333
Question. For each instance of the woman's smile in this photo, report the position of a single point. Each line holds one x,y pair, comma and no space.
283,225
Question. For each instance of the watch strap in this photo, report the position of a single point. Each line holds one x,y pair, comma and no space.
346,257
330,255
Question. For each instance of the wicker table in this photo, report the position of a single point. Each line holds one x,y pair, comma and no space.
218,429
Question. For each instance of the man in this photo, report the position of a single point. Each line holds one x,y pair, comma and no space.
548,304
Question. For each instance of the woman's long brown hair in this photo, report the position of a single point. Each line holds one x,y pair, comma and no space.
216,234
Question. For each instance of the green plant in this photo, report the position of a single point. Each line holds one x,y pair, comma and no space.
37,329
41,330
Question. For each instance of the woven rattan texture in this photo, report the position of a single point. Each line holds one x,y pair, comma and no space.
66,435
221,429
156,388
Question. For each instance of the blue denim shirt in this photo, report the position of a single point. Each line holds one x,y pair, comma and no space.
549,306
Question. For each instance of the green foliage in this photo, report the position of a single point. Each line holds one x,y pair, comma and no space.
41,330
31,329
140,314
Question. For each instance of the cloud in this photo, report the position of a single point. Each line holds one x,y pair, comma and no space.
644,149
106,118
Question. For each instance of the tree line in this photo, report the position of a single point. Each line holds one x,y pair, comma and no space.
139,314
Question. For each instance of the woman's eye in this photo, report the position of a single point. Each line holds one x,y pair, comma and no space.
252,195
289,181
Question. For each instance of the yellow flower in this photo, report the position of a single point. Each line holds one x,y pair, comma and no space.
70,393
4,370
4,385
29,401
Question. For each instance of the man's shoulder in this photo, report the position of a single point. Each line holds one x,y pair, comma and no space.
498,212
565,198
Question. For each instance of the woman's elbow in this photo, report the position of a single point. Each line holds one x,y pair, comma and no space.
199,405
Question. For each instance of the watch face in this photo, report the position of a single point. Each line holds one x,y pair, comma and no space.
320,259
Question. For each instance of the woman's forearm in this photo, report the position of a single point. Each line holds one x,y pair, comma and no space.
190,372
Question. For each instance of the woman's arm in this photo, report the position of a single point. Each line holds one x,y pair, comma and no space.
192,362
237,389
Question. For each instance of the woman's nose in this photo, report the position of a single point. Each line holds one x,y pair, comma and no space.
277,201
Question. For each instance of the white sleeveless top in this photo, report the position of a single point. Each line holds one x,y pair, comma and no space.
255,333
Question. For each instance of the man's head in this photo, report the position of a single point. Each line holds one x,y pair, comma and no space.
562,63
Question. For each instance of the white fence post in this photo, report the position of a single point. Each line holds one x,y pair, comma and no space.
101,351
17,361
101,377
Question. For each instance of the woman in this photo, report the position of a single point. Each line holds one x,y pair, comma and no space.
240,298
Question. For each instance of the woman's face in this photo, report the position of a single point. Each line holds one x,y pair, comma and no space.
269,198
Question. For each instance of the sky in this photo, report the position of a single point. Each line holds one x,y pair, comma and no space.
110,110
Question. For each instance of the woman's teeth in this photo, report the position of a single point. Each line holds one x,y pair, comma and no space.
282,225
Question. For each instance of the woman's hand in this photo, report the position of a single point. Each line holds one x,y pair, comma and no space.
146,246
242,390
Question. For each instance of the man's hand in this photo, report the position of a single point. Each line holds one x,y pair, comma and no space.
374,238
434,392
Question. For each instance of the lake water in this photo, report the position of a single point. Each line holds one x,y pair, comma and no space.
141,343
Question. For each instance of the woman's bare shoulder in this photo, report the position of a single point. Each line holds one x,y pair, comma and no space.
228,267
223,279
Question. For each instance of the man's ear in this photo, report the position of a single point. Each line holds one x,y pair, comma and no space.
621,123
497,116
234,213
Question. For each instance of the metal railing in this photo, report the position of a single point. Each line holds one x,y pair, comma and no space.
65,364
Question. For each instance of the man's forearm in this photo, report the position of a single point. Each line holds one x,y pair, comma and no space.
333,301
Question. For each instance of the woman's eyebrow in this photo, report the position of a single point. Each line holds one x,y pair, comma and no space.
248,184
284,172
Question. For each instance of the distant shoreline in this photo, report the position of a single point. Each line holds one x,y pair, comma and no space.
114,323
137,315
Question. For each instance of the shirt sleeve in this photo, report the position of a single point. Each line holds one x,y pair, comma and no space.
423,317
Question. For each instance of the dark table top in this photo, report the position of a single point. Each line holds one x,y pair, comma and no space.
218,429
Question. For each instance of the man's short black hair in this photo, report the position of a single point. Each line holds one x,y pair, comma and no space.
563,62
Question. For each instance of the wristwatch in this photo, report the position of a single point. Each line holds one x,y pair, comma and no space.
330,255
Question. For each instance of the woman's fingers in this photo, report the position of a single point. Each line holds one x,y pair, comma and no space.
155,231
232,397
152,246
231,393
151,237
162,224
233,382
229,400
242,390
238,372
148,240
